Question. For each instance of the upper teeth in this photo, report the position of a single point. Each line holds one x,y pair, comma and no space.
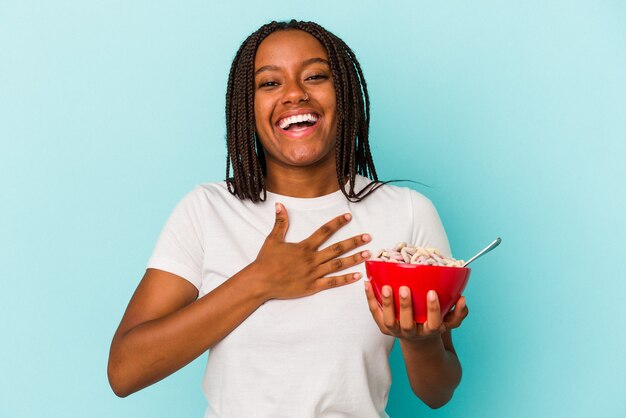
284,123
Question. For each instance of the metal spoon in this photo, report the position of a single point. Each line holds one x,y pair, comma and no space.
485,251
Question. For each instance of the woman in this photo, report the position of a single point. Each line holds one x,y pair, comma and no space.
261,270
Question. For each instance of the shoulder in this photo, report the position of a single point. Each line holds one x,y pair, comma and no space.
391,193
210,189
212,203
404,202
203,202
208,194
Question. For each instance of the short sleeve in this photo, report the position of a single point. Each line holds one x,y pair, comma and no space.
428,231
180,247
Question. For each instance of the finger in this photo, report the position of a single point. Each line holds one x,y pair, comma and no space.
336,281
407,322
375,308
281,224
459,308
456,317
324,232
337,264
342,247
433,313
389,311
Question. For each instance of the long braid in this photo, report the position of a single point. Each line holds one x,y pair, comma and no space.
248,179
367,162
245,152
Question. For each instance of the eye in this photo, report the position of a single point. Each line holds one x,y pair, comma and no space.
317,77
268,84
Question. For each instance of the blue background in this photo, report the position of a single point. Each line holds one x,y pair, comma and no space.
512,112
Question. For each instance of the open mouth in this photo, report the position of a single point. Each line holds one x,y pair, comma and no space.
298,122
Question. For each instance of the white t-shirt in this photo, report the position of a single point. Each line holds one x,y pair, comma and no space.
316,356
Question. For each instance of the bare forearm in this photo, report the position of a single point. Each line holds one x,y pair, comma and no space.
434,370
153,350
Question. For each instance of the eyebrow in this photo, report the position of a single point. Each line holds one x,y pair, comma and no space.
304,63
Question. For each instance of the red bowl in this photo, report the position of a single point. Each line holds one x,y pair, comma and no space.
448,282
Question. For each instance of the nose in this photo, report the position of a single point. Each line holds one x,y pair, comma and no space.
294,93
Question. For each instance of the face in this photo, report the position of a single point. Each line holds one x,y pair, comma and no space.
294,101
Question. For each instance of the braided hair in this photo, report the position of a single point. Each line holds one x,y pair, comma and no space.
245,152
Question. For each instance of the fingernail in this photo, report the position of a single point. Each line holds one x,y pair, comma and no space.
432,296
404,292
386,291
347,216
356,276
278,207
366,237
365,254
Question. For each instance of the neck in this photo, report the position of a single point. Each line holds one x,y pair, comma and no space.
296,182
